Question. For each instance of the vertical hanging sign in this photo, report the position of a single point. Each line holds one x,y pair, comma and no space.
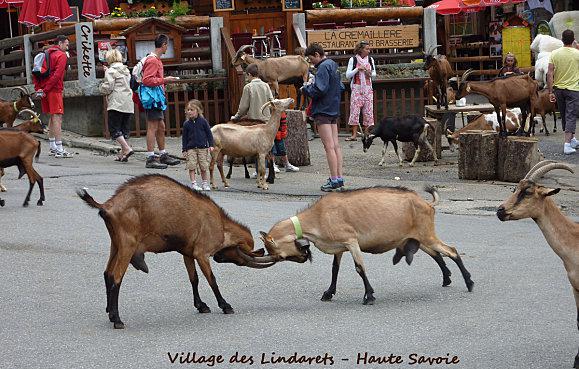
85,54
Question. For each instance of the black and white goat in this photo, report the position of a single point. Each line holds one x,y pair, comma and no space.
410,128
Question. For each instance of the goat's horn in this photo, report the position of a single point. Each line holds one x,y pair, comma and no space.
547,168
21,89
31,112
537,166
258,266
257,259
266,104
243,48
466,74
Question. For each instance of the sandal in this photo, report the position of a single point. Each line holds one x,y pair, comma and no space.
352,139
126,157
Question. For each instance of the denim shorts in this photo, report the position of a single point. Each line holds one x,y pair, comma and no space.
278,148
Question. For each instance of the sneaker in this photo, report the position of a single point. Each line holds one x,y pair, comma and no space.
254,175
62,154
206,187
52,152
291,168
275,168
195,186
154,163
166,159
341,182
330,186
568,149
574,143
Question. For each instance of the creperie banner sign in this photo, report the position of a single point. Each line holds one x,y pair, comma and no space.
385,37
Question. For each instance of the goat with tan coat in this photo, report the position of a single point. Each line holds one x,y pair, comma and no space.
531,200
9,109
238,141
276,70
373,220
155,213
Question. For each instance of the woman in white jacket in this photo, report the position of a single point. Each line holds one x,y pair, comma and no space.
361,70
120,104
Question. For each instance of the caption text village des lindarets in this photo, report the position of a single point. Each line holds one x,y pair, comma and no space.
326,359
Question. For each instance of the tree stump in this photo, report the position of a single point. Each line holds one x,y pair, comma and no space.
296,142
433,136
516,156
477,155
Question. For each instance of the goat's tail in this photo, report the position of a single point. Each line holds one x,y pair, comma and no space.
435,198
83,194
38,151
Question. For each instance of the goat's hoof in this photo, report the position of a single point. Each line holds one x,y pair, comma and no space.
369,299
327,296
227,309
381,164
469,285
446,282
436,163
270,181
2,203
119,325
25,204
39,203
203,308
3,189
546,133
265,188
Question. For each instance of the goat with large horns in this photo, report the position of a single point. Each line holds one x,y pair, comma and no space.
531,200
287,69
9,109
509,92
440,71
155,213
373,220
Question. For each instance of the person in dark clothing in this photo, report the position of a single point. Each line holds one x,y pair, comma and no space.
509,66
197,143
326,93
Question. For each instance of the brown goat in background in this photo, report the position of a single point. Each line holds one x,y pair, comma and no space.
9,109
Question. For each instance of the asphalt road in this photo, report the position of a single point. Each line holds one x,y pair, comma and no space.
521,313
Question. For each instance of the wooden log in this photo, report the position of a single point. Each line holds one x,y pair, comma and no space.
119,24
296,142
367,14
516,156
477,155
433,136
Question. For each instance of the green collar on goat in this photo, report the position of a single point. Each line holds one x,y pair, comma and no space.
297,227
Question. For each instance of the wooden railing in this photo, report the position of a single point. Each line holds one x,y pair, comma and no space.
12,66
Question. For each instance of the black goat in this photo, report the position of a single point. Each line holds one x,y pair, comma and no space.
410,128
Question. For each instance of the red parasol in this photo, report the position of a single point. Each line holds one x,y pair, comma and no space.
29,13
500,2
447,7
95,8
54,10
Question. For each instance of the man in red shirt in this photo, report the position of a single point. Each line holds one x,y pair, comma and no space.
153,76
51,89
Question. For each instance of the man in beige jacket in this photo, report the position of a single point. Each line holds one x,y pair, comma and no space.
255,94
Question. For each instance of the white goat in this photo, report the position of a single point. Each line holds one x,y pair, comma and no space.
237,141
531,200
542,46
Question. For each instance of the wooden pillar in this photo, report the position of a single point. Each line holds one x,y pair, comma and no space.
477,155
516,156
296,142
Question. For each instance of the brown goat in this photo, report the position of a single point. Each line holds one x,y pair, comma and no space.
33,125
291,69
155,213
354,221
481,123
9,109
531,200
440,71
544,106
18,148
508,92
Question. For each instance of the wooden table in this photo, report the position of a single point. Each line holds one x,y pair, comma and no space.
432,111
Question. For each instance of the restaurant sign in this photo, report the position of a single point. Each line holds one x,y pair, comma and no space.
379,37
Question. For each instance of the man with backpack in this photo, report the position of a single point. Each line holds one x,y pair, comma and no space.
49,85
152,95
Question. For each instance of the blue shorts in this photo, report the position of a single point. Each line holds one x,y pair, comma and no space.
278,148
